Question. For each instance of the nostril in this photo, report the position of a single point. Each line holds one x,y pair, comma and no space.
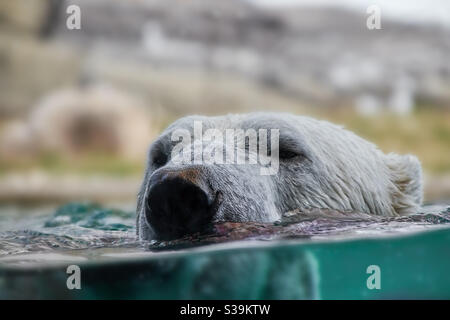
176,207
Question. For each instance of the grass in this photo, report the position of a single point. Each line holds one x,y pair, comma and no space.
82,165
424,133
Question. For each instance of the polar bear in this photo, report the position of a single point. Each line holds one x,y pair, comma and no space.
320,165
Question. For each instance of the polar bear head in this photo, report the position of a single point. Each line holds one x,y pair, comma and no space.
254,167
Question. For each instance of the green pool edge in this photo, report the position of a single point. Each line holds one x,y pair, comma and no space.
414,266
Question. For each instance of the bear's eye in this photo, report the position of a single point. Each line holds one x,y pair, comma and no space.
287,154
160,159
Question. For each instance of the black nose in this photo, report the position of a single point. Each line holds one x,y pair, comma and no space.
177,207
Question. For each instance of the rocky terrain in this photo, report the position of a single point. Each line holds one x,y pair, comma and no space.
324,55
320,56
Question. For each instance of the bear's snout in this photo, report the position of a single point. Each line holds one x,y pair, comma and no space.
177,204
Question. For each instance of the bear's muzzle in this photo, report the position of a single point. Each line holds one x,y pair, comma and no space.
178,203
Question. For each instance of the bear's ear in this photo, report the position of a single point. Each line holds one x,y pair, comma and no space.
406,175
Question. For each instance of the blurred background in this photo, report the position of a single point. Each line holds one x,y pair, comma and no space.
78,108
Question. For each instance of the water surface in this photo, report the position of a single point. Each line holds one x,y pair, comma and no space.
86,231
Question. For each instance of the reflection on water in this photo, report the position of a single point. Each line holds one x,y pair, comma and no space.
78,232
